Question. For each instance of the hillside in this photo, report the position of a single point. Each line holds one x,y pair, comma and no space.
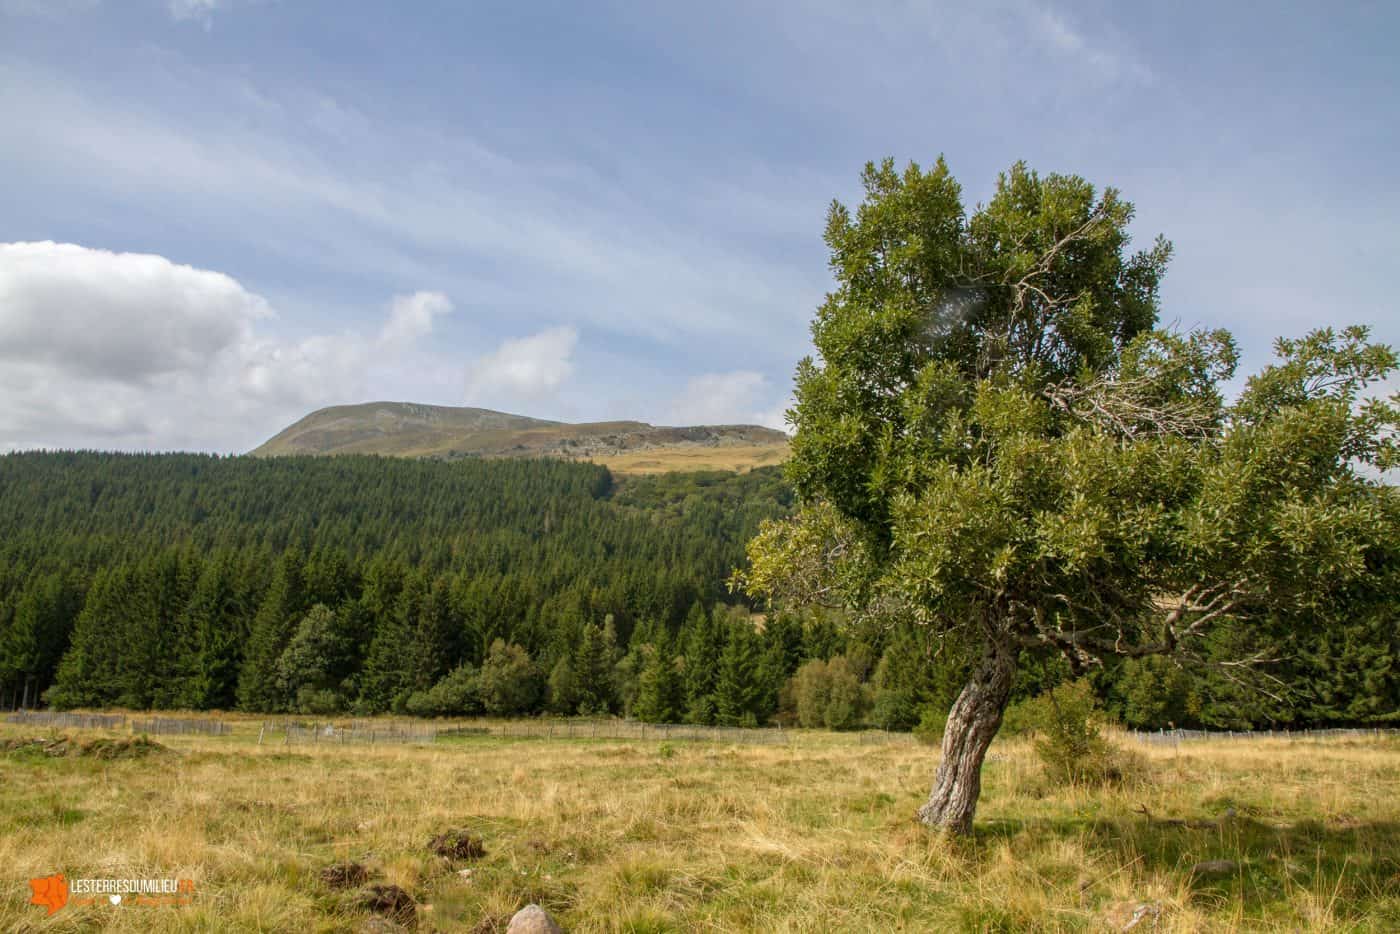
404,429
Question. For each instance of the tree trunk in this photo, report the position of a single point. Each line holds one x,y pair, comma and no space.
973,721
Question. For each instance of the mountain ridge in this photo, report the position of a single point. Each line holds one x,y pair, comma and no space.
410,429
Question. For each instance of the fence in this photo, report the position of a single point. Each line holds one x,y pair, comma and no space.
1173,737
367,735
629,729
885,738
81,721
173,726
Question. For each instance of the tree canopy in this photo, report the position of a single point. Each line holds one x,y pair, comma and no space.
995,441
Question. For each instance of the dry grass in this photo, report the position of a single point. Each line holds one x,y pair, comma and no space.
736,457
818,836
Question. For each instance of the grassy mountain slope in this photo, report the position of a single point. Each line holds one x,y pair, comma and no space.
405,429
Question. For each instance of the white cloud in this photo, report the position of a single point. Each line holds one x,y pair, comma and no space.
124,316
531,367
201,11
736,397
413,192
1053,30
127,350
411,316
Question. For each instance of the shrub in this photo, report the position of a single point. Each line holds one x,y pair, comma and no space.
932,722
827,694
1067,724
455,694
319,701
510,682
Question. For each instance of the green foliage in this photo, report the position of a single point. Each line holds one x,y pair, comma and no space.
457,694
660,688
933,720
827,694
992,442
251,544
510,682
1067,725
312,665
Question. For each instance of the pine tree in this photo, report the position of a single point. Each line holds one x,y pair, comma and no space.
217,612
704,640
660,688
394,667
282,607
737,685
593,670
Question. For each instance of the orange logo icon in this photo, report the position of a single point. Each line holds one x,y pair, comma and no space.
50,892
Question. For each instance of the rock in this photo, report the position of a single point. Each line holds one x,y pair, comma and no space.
1134,916
344,875
1215,867
1147,911
457,844
532,919
392,902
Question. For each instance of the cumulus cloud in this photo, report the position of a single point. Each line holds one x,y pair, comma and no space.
735,397
116,315
129,350
411,317
531,367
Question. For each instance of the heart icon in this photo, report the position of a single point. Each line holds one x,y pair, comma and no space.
115,899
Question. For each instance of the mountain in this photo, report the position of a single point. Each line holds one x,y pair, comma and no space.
405,429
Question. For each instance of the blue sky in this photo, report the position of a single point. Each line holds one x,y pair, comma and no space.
220,214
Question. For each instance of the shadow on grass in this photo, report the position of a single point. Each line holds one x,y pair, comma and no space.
1350,864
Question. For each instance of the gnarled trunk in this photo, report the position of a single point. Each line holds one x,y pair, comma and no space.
973,721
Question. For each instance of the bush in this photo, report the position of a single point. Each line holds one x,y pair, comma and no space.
510,683
1067,724
454,695
827,694
932,722
319,701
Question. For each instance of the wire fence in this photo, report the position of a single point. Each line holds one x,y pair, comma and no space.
331,734
633,729
79,721
175,726
1173,737
886,738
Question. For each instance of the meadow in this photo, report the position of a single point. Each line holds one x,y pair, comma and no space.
817,835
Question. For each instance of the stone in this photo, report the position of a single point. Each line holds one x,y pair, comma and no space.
532,919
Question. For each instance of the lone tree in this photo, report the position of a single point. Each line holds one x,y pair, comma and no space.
995,441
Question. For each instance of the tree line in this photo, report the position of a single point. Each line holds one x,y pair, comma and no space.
510,587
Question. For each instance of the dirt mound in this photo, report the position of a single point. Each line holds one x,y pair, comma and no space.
457,844
56,747
137,747
344,875
392,902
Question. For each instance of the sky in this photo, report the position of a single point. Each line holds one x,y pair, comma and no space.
219,215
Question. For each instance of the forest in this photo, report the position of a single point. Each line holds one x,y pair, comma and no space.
513,587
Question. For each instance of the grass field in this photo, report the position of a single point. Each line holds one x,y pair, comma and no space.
643,836
736,457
